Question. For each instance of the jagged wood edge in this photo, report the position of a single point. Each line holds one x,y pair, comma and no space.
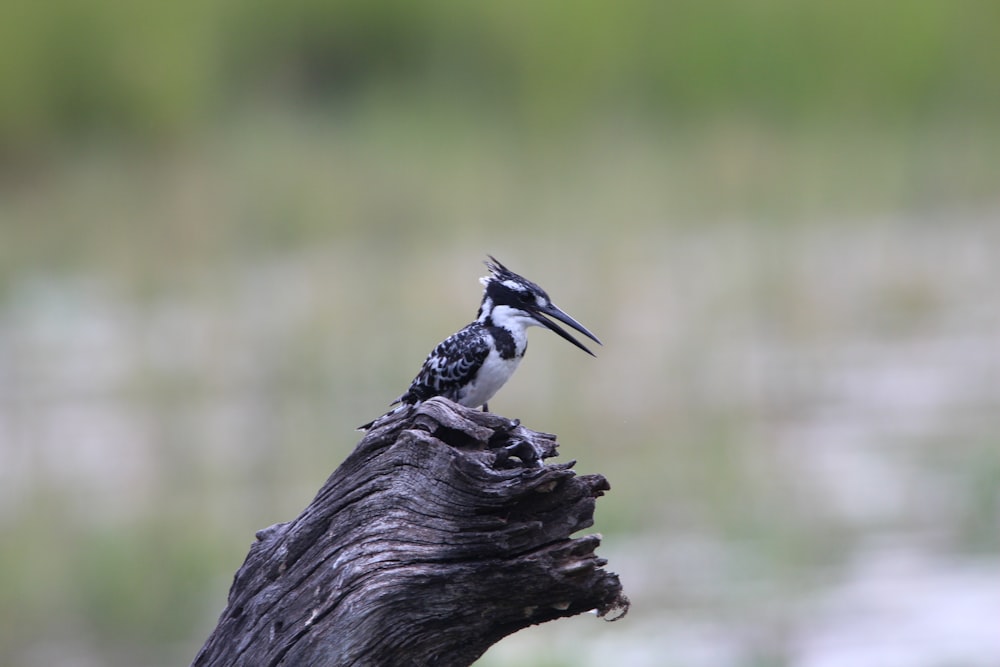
302,596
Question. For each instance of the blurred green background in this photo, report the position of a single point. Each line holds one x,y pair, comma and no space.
230,231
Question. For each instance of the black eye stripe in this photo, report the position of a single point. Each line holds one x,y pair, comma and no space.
503,295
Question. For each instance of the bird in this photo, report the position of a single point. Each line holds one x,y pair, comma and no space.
471,365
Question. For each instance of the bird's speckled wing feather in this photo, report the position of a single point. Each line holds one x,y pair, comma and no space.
450,365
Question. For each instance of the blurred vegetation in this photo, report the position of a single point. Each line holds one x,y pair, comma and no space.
152,70
219,222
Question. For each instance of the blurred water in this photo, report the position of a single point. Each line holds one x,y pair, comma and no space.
895,607
857,527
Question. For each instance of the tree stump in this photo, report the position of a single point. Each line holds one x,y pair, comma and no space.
442,533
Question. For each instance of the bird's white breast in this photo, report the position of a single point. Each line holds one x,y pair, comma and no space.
492,375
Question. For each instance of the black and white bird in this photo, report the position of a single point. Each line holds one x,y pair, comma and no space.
471,365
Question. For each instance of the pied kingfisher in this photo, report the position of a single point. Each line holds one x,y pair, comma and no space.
470,366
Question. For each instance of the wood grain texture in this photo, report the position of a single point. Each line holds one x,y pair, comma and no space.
442,533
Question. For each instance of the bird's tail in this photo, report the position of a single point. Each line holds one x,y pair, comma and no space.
378,420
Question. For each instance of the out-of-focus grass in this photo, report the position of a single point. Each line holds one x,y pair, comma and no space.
151,70
229,232
188,338
269,182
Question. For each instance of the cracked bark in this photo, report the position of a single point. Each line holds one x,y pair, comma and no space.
442,533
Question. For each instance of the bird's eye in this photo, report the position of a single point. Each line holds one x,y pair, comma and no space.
526,297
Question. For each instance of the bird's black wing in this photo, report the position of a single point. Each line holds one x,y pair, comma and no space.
450,365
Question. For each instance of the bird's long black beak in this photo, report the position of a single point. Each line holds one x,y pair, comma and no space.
555,312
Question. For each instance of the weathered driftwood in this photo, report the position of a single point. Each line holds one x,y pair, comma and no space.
440,534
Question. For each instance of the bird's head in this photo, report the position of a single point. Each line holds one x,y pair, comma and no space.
510,299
